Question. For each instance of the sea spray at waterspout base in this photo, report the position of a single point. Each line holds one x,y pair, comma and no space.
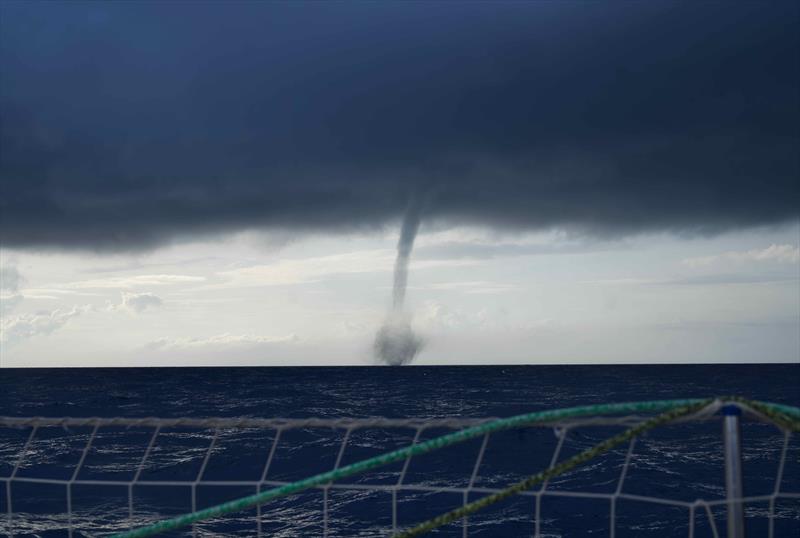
395,343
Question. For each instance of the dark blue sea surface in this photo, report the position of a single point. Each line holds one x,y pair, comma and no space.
682,462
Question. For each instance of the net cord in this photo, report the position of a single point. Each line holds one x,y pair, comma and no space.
785,417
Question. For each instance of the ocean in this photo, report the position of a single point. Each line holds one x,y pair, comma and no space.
682,462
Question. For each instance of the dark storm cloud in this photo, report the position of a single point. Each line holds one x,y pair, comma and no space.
127,124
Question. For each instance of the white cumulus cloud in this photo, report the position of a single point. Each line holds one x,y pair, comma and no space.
18,328
139,302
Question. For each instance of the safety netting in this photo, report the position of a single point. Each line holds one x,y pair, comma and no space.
632,469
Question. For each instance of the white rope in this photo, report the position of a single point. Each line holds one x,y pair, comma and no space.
239,423
263,480
470,486
623,473
400,480
778,479
11,477
561,435
74,477
327,486
199,476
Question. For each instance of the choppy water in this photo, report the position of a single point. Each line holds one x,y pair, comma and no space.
681,462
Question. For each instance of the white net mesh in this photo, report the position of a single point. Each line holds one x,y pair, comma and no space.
91,477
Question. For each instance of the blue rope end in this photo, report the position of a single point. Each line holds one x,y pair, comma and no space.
731,410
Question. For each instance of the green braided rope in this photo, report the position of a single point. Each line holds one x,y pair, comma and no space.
414,450
784,416
559,469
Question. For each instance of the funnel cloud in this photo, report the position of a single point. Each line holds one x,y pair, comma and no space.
408,232
395,343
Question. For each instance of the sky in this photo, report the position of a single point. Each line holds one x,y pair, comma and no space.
209,183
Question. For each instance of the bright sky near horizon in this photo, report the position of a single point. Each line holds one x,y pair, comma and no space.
221,183
475,296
